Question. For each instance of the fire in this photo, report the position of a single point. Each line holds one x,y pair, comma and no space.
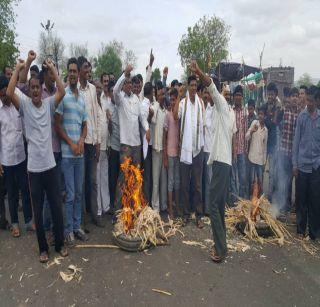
132,197
254,200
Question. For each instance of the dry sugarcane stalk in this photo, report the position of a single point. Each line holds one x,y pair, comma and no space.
162,292
96,246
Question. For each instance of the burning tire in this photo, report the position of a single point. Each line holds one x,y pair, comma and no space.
262,228
128,243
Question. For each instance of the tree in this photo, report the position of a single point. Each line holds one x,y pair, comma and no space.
108,60
51,46
305,79
156,75
77,50
8,46
129,58
207,42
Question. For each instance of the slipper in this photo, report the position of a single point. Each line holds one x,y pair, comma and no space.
44,257
63,252
15,231
215,258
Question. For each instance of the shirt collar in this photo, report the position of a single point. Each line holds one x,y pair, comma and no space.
81,88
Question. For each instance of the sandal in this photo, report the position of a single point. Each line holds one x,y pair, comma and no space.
44,257
15,231
63,252
215,258
199,223
30,227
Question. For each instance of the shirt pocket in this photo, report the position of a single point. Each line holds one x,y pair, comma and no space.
19,123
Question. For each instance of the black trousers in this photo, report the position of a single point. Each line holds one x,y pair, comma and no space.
191,178
40,183
114,167
3,221
308,203
90,180
16,179
219,187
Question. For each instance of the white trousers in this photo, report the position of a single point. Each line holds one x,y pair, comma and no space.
103,183
159,182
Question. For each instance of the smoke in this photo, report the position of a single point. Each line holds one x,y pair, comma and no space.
282,181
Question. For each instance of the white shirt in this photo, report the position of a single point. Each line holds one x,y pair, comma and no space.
223,128
258,144
208,119
129,115
11,136
158,119
194,119
89,94
37,121
144,110
104,125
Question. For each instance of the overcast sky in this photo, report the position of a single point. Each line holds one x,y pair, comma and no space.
289,28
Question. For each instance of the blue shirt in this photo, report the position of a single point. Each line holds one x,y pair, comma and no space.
306,144
74,113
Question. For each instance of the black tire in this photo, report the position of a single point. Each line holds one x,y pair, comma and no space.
127,243
263,230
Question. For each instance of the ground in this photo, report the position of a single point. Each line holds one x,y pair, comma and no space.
261,276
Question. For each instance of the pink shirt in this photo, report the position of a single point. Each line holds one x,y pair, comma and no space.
172,127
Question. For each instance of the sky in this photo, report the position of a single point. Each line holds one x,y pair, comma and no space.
290,29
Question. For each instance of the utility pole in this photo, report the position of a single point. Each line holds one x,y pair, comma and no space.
53,52
261,55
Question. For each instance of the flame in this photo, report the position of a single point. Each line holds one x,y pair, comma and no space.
132,197
254,200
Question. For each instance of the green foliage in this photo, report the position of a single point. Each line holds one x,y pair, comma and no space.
305,79
156,75
8,46
207,42
108,60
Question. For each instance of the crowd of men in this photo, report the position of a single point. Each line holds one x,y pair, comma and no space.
199,145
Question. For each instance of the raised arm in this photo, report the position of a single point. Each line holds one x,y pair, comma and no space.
218,99
24,73
118,86
60,87
253,128
149,68
12,84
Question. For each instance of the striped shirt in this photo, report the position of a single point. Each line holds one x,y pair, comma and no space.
74,113
242,127
287,126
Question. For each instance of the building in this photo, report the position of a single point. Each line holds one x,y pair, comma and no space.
281,76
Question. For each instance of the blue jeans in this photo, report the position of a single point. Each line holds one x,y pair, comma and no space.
256,174
239,185
284,185
73,171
